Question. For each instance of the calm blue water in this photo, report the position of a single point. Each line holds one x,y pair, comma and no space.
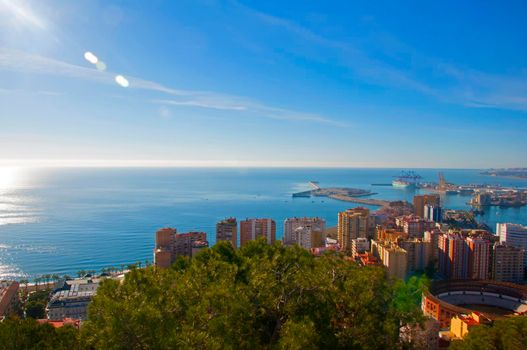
64,220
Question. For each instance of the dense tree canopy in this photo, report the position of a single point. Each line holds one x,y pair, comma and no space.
506,334
259,296
27,334
36,304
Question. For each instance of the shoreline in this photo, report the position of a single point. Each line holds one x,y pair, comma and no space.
507,176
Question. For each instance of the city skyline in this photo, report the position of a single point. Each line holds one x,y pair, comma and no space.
246,84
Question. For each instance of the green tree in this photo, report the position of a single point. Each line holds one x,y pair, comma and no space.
35,309
506,334
36,304
257,297
28,334
407,297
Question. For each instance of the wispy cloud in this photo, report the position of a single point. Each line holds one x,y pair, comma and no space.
410,69
19,61
24,91
14,60
255,109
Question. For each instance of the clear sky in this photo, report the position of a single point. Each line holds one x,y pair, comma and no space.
296,83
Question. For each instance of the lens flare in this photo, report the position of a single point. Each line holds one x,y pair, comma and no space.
90,57
119,79
100,66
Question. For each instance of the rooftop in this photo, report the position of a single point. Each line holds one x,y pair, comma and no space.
61,323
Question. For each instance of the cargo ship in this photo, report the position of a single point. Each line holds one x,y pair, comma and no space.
407,180
402,184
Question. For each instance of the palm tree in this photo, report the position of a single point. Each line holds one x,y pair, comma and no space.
46,279
24,282
55,277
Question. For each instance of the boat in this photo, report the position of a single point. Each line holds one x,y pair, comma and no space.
407,180
402,184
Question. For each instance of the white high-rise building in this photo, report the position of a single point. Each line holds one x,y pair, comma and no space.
308,237
514,235
291,224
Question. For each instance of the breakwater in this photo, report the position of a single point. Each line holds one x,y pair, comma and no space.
346,194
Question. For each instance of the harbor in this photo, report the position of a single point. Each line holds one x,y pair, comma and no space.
483,195
353,195
35,208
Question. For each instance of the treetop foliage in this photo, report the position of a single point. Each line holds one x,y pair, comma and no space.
506,334
257,297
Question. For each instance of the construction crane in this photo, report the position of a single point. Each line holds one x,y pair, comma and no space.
442,182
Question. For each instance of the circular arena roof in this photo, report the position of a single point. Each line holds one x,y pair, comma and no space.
492,298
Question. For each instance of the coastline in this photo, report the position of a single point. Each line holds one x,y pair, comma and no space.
117,211
506,176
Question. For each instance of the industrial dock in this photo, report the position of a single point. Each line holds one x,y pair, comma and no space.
353,195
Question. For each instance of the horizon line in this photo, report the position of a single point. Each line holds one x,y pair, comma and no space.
121,163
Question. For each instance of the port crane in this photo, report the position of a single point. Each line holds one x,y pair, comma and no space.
410,175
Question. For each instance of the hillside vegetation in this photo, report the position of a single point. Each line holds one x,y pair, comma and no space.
257,297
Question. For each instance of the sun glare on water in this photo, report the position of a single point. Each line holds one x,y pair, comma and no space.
8,177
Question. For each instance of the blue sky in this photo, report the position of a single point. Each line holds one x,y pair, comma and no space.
238,83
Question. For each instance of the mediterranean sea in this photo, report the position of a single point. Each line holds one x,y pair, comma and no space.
62,220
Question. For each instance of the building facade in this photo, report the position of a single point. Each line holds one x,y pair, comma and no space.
359,246
291,224
432,236
419,253
393,257
164,247
170,244
507,263
227,230
251,229
453,256
308,237
460,325
513,234
479,258
414,226
183,242
72,300
353,223
426,199
433,213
